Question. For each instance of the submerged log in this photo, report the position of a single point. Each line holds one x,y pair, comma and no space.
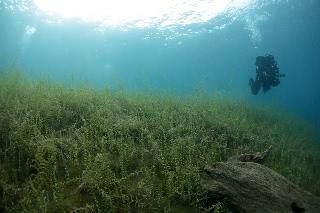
259,157
250,187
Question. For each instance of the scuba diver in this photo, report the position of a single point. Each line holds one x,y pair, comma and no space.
267,72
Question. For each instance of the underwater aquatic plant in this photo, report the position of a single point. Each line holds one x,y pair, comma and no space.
82,149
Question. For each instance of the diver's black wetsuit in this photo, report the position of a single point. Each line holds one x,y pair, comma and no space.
267,74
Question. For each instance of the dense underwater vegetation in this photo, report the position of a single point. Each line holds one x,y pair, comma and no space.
78,149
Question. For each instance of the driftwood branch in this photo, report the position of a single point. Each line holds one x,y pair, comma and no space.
259,157
251,187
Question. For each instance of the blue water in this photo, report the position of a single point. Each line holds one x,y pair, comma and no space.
173,46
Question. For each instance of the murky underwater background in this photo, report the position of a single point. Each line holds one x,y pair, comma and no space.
174,46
